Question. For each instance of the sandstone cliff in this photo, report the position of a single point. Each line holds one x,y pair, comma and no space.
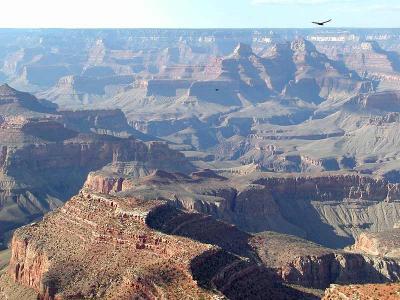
338,206
382,244
109,248
363,292
54,171
46,155
301,262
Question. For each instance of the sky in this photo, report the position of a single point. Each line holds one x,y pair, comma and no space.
197,13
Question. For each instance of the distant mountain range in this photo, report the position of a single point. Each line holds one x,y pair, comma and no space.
211,164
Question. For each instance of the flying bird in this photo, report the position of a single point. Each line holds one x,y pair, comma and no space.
322,23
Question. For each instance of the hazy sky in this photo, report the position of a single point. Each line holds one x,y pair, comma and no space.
198,13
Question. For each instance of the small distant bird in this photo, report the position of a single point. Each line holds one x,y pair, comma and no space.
322,23
216,90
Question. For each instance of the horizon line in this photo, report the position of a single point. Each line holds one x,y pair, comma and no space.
190,28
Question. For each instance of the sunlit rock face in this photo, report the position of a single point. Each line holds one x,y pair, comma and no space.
46,154
338,207
147,242
288,137
147,249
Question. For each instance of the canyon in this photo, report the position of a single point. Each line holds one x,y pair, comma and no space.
338,207
146,263
199,164
46,155
150,248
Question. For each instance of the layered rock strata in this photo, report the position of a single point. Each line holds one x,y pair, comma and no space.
338,206
107,247
382,244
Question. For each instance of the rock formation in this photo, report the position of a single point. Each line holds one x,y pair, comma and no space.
46,154
308,264
121,247
248,107
368,291
382,244
111,250
338,207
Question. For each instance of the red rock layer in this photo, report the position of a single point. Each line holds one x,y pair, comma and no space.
363,292
99,246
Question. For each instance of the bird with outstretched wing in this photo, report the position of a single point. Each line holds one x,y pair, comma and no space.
322,23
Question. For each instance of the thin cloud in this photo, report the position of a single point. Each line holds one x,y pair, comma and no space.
384,8
300,2
378,8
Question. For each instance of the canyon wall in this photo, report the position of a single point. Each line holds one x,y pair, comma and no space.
337,207
102,246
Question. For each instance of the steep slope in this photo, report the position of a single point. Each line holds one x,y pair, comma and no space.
300,262
13,102
318,78
383,244
47,154
147,248
368,291
132,259
337,207
80,91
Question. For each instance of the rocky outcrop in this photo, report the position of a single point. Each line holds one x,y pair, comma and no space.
45,155
333,187
367,291
40,261
385,101
110,122
318,78
307,264
106,122
338,207
371,58
382,244
140,241
35,263
15,103
107,247
349,203
91,85
84,153
104,184
75,90
167,88
43,75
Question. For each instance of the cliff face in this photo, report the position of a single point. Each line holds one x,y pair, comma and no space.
57,269
318,78
14,103
382,244
43,161
307,264
332,187
34,264
367,291
337,207
111,248
167,88
383,101
88,151
45,155
110,122
320,271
